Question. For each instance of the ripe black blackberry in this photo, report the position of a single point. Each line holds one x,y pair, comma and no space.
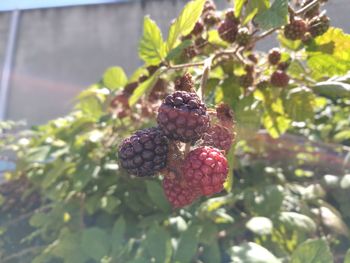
274,56
243,37
279,78
295,29
145,152
198,28
183,117
253,58
283,65
185,83
319,25
228,28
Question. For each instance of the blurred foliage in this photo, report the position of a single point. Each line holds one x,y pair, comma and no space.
287,199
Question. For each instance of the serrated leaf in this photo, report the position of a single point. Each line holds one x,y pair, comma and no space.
95,243
312,251
252,253
144,87
156,193
260,225
332,89
114,78
158,244
299,104
151,47
297,221
275,16
188,243
185,23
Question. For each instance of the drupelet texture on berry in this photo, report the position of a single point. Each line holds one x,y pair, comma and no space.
183,117
144,153
218,137
178,192
185,83
279,78
228,30
206,169
295,29
319,25
274,56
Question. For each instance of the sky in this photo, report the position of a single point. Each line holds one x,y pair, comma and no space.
8,5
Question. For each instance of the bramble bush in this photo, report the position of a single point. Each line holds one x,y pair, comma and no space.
284,196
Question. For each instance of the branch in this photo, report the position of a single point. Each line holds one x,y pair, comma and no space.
22,253
306,8
187,65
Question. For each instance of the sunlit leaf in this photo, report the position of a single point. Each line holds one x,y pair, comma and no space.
275,16
252,253
312,251
114,78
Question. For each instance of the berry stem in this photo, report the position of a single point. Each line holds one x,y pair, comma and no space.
306,8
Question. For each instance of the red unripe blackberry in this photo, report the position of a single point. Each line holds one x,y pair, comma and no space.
144,153
228,30
218,137
319,25
279,79
243,37
274,56
183,116
206,169
178,192
295,29
185,83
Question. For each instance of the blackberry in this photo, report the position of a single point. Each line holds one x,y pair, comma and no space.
178,192
228,30
253,58
190,52
210,19
283,65
295,29
185,83
243,37
274,56
144,153
206,169
246,80
198,28
129,88
279,78
219,137
183,116
319,25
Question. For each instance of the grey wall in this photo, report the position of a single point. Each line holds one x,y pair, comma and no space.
61,51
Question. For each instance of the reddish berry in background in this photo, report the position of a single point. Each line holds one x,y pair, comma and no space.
206,168
279,79
219,137
274,56
183,117
144,153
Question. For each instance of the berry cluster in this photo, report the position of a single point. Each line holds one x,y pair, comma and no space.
183,121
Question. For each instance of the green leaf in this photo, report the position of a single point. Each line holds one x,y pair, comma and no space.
238,5
114,78
158,244
332,89
299,104
95,243
230,159
275,16
255,7
177,52
260,225
144,87
185,23
290,44
297,221
118,237
347,257
152,47
312,251
212,252
252,253
187,245
156,193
